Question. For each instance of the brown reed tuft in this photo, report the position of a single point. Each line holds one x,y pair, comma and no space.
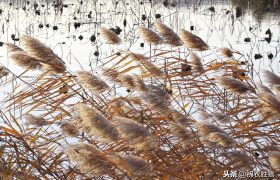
132,82
24,60
136,166
234,85
196,63
44,54
12,47
205,128
178,117
156,99
240,160
91,82
222,139
109,36
221,117
89,159
149,36
226,52
97,124
168,35
180,132
112,74
271,78
69,129
135,134
146,63
192,41
35,120
274,159
3,71
276,89
270,101
262,88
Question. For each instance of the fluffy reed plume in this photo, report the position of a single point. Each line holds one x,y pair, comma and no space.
149,36
180,132
178,117
262,88
205,128
234,85
35,120
112,74
276,89
270,101
274,159
69,129
3,71
12,47
136,166
132,82
24,60
135,134
146,63
192,41
156,98
271,78
168,35
226,52
109,36
196,62
44,54
89,159
97,123
222,139
240,160
91,82
221,117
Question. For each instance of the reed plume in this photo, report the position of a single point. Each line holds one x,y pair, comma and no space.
262,88
274,159
240,160
97,124
205,128
226,52
276,89
132,82
35,120
24,60
168,35
180,132
177,116
146,63
91,82
271,78
136,166
89,159
109,36
270,101
135,134
222,139
69,129
3,71
234,85
12,47
196,63
192,41
156,99
44,54
112,74
149,36
221,117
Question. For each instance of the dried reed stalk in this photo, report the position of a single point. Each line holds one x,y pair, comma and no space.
109,36
91,82
168,35
149,36
192,41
